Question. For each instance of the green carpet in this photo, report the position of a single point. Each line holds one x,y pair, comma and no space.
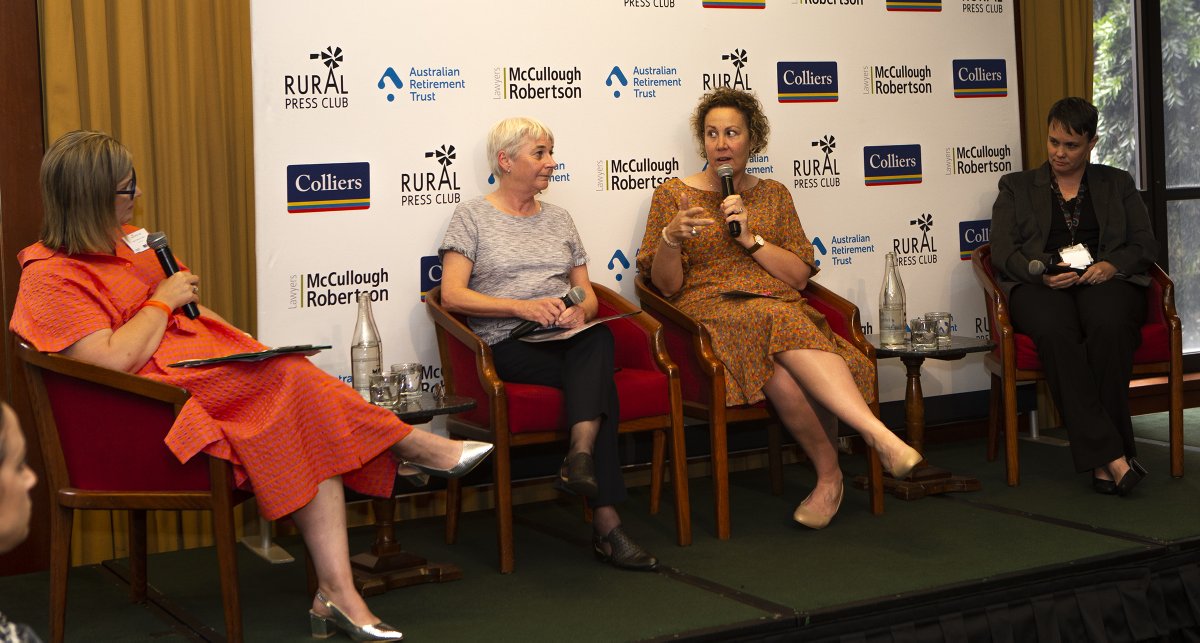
770,570
1155,427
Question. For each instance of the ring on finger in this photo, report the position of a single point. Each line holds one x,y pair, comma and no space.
195,289
695,232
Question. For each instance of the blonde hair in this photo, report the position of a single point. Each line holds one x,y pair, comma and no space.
509,134
79,178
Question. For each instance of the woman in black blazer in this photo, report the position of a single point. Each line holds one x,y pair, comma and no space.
1085,321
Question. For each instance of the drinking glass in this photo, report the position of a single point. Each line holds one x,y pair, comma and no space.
410,379
943,324
924,334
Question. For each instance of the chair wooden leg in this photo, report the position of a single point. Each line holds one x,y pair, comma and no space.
775,457
225,536
993,437
679,478
504,508
875,479
453,509
1011,464
720,472
61,523
137,555
657,460
1175,420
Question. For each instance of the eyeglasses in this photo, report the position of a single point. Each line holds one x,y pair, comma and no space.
132,189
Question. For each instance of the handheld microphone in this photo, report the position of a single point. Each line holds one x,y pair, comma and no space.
158,243
574,296
726,174
1036,267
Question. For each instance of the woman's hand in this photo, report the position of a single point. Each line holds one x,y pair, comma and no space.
1098,273
1060,281
571,317
687,222
180,288
544,312
734,210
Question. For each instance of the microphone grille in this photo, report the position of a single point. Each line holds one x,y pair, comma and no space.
156,240
725,170
1036,267
577,295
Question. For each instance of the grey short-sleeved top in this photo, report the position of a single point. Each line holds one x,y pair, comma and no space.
515,257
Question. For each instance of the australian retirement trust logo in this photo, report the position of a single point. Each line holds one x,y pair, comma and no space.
980,78
328,187
807,82
737,80
336,287
428,187
536,83
891,164
645,81
318,90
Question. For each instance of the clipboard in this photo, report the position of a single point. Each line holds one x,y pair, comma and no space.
305,349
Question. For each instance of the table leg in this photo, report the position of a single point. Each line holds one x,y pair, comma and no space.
387,566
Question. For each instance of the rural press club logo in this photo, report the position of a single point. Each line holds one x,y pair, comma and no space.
537,83
322,86
336,287
917,250
885,165
819,171
738,59
807,82
994,7
328,187
982,78
435,184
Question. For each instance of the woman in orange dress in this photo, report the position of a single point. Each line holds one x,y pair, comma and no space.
777,346
91,291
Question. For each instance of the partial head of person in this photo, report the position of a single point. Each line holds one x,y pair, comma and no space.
521,152
16,480
730,127
89,188
1071,135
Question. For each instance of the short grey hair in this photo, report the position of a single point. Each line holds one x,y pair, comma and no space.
509,134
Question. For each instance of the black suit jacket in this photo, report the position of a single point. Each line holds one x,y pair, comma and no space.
1021,224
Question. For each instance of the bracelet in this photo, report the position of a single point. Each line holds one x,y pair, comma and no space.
154,303
667,240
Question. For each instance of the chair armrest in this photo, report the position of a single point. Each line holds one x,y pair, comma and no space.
1166,303
450,328
653,350
118,380
842,313
676,321
1000,327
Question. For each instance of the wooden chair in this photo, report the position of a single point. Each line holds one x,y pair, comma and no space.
1015,360
512,415
702,378
102,435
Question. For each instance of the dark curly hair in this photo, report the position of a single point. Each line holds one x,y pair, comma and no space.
744,102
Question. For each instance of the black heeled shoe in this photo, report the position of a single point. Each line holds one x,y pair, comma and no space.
1106,487
324,627
577,475
623,552
1131,478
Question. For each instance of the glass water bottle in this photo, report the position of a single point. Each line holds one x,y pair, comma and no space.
891,306
366,349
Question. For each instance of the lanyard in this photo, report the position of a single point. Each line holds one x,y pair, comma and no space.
1070,209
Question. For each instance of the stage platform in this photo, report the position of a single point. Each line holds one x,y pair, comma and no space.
1049,560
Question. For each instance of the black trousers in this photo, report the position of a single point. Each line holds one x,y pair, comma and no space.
582,367
1086,337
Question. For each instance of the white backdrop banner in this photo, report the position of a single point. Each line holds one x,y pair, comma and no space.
891,122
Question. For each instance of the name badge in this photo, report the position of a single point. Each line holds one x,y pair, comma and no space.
136,240
1077,255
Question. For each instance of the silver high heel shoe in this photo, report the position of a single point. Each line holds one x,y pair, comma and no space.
472,454
324,627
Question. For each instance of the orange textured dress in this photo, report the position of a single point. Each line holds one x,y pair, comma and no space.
284,424
747,331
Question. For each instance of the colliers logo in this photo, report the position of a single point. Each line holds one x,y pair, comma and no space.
429,187
807,82
897,79
978,159
985,78
736,80
914,5
735,4
328,187
971,235
315,90
634,174
644,81
335,287
818,172
914,250
537,83
892,164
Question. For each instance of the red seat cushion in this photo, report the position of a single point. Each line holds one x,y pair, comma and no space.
1155,348
537,409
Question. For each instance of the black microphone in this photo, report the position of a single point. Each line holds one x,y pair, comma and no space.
574,296
726,174
1036,267
158,242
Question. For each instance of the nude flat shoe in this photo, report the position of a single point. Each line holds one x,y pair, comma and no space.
813,520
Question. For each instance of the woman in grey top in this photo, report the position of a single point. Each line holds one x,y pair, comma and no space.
508,258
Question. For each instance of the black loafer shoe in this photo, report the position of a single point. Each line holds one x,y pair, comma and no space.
578,475
1131,478
1106,487
624,553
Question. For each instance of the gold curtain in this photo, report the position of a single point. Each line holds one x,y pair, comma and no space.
171,80
1056,62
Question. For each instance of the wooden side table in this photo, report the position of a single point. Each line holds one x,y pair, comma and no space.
925,479
387,566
